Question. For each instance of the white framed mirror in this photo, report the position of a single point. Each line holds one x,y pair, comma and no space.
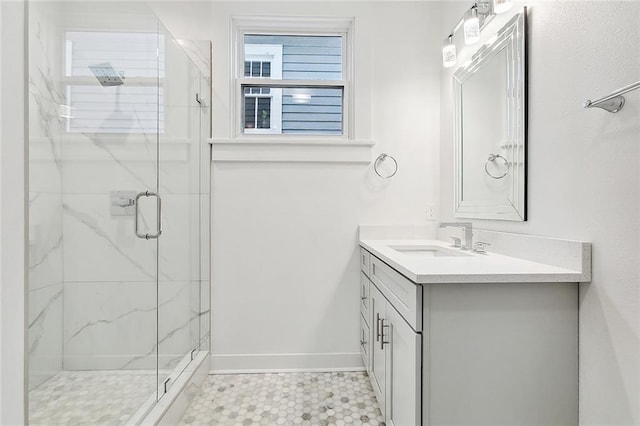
490,97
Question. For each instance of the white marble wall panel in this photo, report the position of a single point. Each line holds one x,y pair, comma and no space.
45,240
99,247
177,323
112,325
205,316
98,164
45,333
45,168
93,169
45,201
205,237
199,51
180,241
199,327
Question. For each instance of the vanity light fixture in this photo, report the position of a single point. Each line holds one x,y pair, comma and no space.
471,25
474,19
501,6
449,52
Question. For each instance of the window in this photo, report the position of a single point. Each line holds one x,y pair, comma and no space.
128,67
292,82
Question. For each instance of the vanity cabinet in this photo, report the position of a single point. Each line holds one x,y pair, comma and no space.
469,353
394,350
396,363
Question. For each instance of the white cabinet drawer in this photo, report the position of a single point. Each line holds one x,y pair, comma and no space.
404,295
365,336
365,259
364,297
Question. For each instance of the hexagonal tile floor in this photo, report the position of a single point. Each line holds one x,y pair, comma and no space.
285,399
90,397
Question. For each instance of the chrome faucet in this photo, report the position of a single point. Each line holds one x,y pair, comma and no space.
468,232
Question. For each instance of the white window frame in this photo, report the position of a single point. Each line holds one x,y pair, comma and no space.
291,26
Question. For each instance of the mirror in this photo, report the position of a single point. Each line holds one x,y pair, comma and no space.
490,128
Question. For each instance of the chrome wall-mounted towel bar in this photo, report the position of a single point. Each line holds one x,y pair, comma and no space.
612,102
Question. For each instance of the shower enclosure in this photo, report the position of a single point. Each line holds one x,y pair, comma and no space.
118,210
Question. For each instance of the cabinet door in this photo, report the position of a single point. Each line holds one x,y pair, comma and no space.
377,308
365,343
403,371
364,298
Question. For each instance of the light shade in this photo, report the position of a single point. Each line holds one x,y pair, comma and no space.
448,52
501,6
471,26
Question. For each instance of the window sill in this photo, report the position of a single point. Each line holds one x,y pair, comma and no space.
291,151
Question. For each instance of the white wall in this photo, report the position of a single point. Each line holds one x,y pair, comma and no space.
1,224
12,225
584,181
285,273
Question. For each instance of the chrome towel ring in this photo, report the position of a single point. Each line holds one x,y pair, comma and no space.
381,158
492,158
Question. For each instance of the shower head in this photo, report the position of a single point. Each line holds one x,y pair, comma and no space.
106,74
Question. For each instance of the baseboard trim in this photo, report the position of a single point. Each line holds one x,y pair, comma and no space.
285,363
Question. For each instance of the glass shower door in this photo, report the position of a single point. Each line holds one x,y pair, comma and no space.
180,245
110,152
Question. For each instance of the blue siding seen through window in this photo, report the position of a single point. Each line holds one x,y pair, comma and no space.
306,57
312,110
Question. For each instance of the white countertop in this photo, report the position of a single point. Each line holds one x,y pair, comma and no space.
473,268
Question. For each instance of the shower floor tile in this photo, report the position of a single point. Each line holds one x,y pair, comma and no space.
285,399
90,397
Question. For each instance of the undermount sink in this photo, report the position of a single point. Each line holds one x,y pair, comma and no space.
427,251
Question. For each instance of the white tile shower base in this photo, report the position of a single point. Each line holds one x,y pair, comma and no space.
90,397
285,399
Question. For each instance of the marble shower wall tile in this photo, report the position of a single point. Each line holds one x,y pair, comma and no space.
205,237
99,247
45,240
199,51
45,169
46,127
97,168
94,164
179,246
178,325
112,325
205,316
45,333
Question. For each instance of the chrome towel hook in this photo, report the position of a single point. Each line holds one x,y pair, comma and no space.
381,158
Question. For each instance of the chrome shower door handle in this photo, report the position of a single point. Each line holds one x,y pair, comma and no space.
158,224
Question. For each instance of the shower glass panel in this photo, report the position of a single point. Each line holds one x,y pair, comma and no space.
181,186
118,212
